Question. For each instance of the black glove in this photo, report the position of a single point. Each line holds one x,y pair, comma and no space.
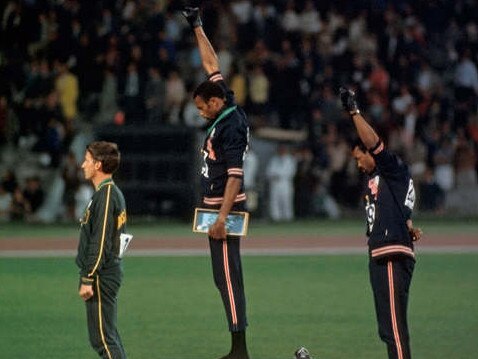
302,353
192,16
349,102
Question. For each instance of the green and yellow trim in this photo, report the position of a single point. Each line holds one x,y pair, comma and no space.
103,234
104,183
100,320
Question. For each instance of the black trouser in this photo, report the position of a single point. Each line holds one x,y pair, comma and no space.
227,271
390,279
101,313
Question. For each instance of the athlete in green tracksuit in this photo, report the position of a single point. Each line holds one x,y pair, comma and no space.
98,258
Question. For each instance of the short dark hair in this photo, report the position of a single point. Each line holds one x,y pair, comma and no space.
107,153
208,90
358,143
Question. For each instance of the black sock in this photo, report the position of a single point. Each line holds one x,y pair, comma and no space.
238,347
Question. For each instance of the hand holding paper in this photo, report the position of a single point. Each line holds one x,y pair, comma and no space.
125,240
236,222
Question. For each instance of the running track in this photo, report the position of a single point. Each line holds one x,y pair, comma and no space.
261,245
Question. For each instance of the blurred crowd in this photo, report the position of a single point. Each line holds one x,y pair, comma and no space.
19,202
412,63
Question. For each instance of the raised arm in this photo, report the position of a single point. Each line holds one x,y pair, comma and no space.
208,55
367,134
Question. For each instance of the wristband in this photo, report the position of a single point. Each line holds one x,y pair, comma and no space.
356,112
86,280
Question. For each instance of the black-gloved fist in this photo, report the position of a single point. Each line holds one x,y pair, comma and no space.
349,102
302,353
192,16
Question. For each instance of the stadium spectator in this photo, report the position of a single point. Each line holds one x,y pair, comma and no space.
280,173
8,122
443,161
238,84
466,78
225,58
155,96
431,196
5,204
175,96
465,163
132,94
251,168
304,182
243,11
9,181
258,91
309,19
290,18
108,98
20,208
33,193
71,174
66,86
190,113
403,54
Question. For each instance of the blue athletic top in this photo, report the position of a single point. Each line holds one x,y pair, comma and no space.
389,202
224,149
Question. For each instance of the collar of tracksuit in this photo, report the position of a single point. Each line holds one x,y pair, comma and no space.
104,183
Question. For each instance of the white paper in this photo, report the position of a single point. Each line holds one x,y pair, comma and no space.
125,240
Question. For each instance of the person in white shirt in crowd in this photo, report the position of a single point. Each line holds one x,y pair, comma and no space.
190,114
175,96
310,22
466,74
5,204
251,166
290,18
443,161
280,174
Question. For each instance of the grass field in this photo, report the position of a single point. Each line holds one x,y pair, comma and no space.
170,309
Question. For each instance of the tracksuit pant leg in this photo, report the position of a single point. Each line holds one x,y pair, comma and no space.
390,279
101,313
227,271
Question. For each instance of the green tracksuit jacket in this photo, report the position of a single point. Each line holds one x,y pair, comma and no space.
103,221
